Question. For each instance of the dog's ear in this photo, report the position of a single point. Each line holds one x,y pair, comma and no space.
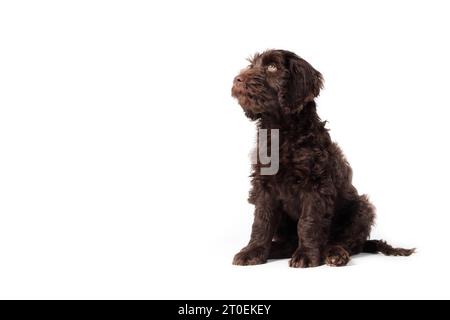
303,83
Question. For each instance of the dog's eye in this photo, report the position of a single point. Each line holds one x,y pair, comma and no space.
272,68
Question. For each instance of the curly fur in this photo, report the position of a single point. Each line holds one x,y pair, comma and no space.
309,210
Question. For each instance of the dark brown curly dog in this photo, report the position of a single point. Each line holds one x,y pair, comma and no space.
309,210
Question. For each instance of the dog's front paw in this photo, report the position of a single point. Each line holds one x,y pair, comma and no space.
303,259
250,256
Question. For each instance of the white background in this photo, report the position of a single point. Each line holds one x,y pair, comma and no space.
124,160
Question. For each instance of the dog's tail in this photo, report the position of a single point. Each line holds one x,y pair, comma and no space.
380,246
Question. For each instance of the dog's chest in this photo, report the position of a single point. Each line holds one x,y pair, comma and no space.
298,163
302,167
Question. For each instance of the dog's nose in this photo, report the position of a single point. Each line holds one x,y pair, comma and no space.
238,80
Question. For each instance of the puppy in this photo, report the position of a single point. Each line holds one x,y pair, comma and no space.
308,209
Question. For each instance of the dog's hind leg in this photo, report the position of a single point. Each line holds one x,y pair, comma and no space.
351,231
352,224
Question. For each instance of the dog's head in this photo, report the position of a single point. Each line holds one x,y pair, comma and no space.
276,81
